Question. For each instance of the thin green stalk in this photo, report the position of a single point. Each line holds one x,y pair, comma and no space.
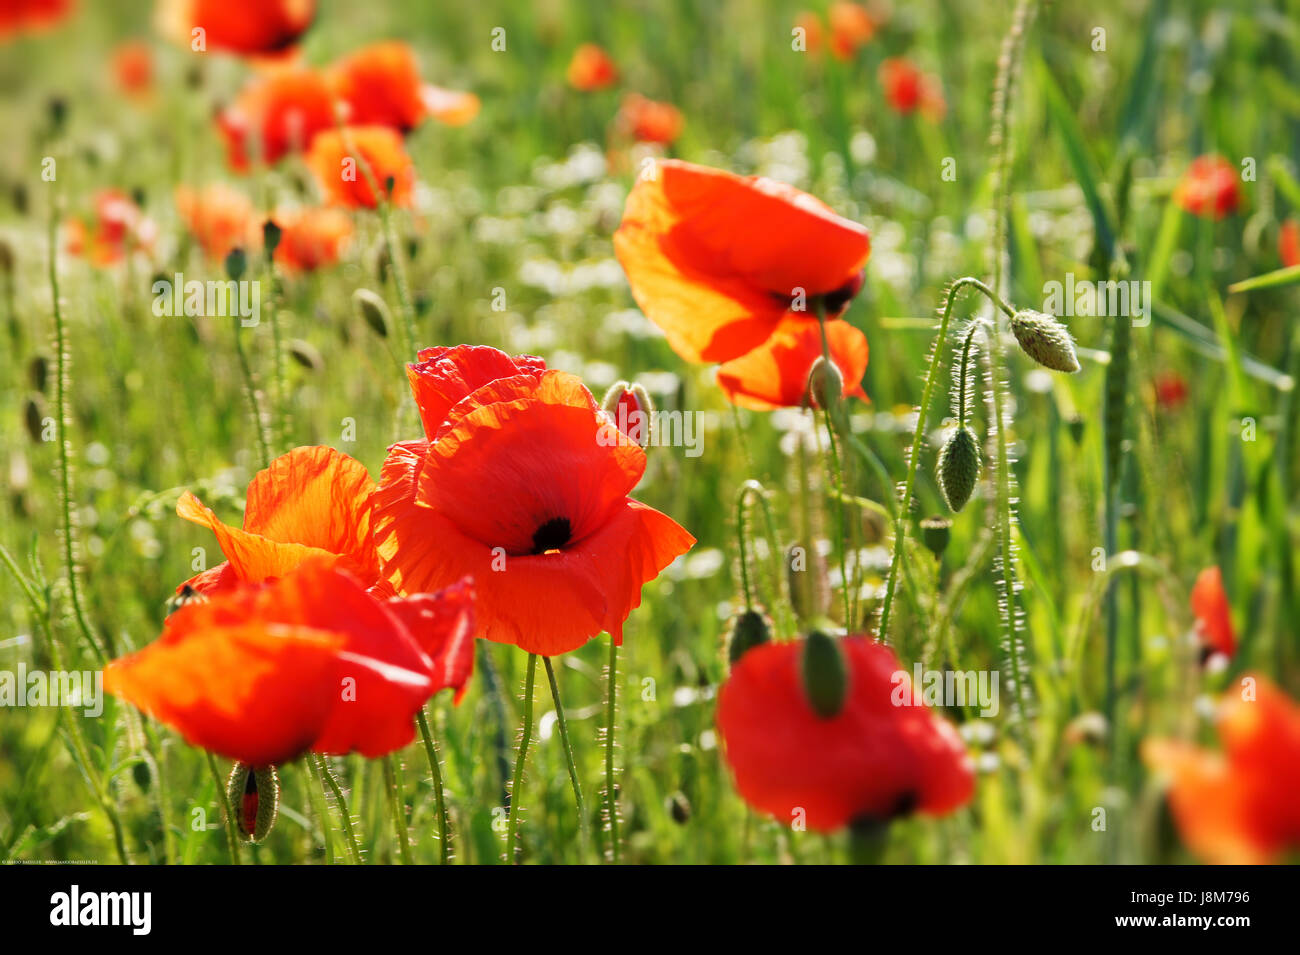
568,755
444,825
398,806
250,396
753,490
316,795
611,796
328,780
232,835
918,438
837,478
526,734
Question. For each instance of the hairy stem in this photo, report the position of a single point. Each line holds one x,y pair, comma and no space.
526,734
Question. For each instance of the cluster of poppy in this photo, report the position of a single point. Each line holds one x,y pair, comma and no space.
343,605
639,119
118,228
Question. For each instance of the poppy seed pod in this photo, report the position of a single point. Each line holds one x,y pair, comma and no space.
825,383
253,795
749,628
825,675
959,467
1045,340
372,310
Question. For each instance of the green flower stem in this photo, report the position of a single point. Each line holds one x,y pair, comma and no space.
328,781
444,825
526,733
918,438
841,513
611,795
250,396
398,806
232,834
568,755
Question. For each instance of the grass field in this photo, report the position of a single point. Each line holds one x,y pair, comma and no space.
1061,156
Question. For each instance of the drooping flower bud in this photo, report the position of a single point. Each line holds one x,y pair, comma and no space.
825,383
372,310
1045,340
306,354
254,797
825,675
959,467
935,532
632,410
749,628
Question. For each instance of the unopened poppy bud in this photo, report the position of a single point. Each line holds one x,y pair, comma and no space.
306,354
142,773
271,233
935,532
254,798
680,807
959,467
1076,425
38,370
1045,340
34,417
825,675
236,263
749,628
632,410
373,311
825,383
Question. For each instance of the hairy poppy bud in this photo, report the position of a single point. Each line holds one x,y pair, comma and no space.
271,233
34,417
1045,340
236,263
372,310
632,410
1076,427
825,383
680,807
306,354
254,798
825,676
959,466
749,629
935,532
38,371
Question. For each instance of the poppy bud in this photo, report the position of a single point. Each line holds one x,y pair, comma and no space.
372,310
825,383
254,798
632,410
38,370
271,233
236,263
749,629
1045,340
1075,425
825,676
959,466
142,773
935,532
680,808
34,417
306,354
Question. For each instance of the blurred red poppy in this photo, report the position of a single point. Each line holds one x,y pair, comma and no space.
775,374
851,28
19,15
1210,188
275,115
1288,242
1213,614
1171,390
338,159
265,672
311,238
813,34
380,85
312,503
133,67
246,27
723,263
1239,806
874,760
521,482
119,229
647,121
591,69
908,90
220,218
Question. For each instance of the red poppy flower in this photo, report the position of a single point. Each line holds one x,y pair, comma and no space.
908,90
220,218
1239,806
277,114
851,28
875,759
647,121
336,159
591,69
1213,615
1288,242
119,229
775,374
1171,390
312,503
311,238
133,67
381,86
521,482
813,35
245,27
266,672
1210,188
19,15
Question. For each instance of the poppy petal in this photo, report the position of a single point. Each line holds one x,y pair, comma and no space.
442,624
775,375
440,377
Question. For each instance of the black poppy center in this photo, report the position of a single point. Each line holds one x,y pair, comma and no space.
552,535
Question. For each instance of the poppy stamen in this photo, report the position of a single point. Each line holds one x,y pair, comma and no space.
552,535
